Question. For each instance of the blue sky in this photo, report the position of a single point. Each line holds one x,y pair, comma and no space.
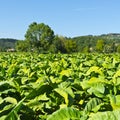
69,18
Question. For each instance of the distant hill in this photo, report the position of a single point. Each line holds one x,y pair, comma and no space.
91,40
7,43
110,36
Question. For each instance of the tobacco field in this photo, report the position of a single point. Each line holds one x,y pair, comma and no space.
59,86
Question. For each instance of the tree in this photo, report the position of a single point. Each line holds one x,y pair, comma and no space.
39,36
22,46
100,45
118,48
70,46
86,49
59,43
107,48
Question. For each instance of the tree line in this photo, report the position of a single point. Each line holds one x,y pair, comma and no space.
107,43
40,38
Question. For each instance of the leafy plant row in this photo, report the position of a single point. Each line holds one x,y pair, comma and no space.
59,86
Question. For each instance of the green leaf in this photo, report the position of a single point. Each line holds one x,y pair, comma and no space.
63,94
95,86
37,100
65,114
12,70
38,91
11,100
5,109
66,72
117,74
95,69
116,81
98,89
13,114
115,101
108,115
92,105
66,93
4,85
3,117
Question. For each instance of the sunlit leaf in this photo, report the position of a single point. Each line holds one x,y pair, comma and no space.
108,115
65,114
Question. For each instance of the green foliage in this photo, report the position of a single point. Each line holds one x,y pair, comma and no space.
70,46
109,115
65,114
111,42
64,45
22,46
59,43
13,113
59,86
118,48
39,36
86,49
100,45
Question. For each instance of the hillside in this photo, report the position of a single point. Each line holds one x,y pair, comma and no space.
107,37
7,43
90,40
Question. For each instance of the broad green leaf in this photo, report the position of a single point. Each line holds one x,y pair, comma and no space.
55,79
117,74
13,114
97,80
110,72
63,106
63,93
11,100
95,69
66,93
5,108
3,117
65,114
38,91
115,101
93,105
43,97
97,88
66,72
85,85
37,100
12,69
108,115
116,81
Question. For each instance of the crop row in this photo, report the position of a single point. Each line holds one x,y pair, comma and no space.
59,86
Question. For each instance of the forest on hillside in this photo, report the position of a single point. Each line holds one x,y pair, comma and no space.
106,43
7,43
